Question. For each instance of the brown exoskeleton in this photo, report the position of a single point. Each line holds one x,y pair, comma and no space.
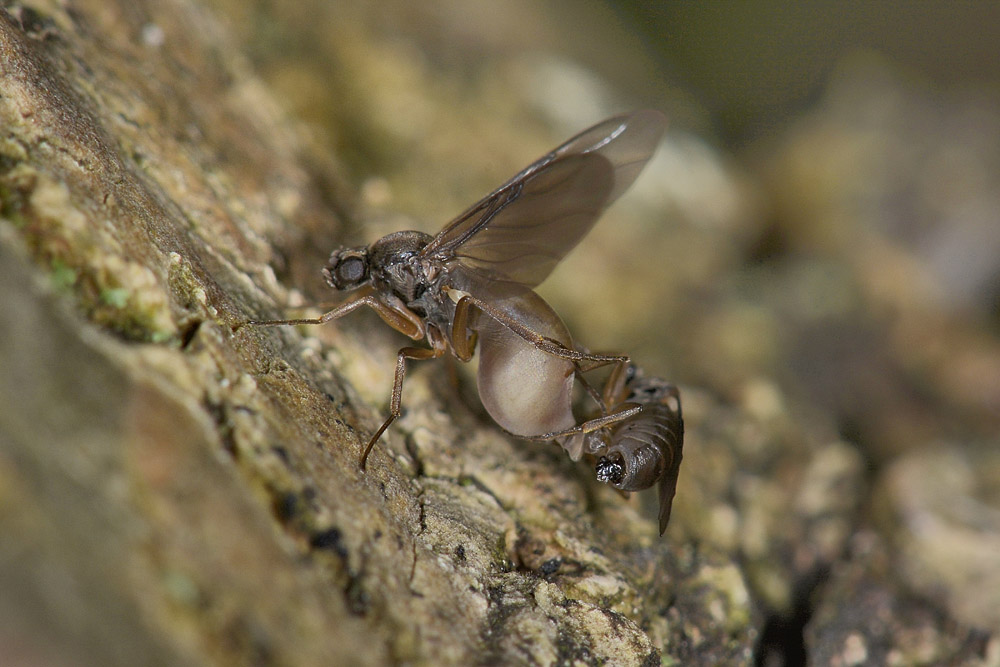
638,437
472,283
646,447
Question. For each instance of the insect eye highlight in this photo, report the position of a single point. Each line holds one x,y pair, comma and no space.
610,469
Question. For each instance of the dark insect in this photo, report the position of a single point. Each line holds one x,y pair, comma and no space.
472,283
645,447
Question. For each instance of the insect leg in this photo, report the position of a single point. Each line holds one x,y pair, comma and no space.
614,388
614,392
613,396
399,318
589,388
537,340
395,403
463,340
623,412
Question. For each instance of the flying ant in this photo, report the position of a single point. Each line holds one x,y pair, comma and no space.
472,283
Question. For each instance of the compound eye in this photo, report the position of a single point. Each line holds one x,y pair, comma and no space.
351,270
347,268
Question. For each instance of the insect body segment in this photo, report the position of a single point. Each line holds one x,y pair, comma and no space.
645,448
526,389
638,437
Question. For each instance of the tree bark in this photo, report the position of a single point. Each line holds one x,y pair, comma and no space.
178,488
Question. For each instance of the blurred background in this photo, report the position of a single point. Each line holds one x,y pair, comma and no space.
829,169
817,239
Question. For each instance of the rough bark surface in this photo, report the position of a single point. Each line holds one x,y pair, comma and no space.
176,488
179,489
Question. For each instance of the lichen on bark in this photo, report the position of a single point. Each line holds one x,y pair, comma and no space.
195,481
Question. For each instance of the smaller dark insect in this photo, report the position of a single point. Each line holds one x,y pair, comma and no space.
638,439
472,284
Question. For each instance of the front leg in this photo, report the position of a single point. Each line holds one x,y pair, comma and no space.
393,312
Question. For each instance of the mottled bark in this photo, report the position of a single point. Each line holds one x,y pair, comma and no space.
177,488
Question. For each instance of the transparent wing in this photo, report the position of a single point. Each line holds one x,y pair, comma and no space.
551,212
526,226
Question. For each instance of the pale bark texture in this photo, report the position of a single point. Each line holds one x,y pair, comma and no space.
177,489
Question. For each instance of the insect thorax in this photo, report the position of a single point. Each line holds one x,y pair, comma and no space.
396,265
